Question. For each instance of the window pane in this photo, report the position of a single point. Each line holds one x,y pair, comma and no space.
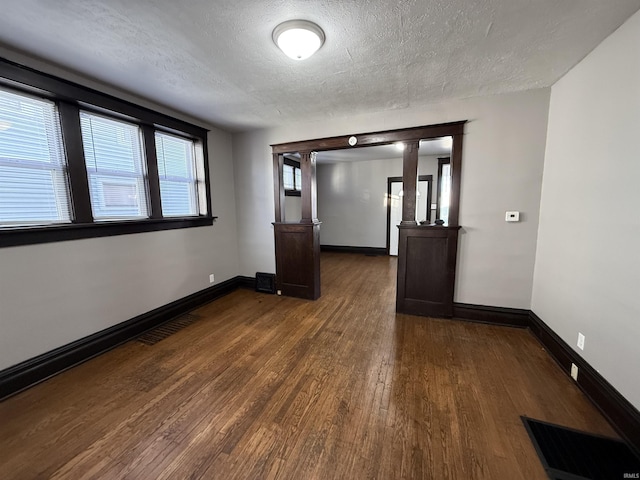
178,180
287,177
33,179
115,168
298,173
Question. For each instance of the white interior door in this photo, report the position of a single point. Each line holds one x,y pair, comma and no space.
421,201
396,217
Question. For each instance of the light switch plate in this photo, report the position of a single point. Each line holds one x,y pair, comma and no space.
512,217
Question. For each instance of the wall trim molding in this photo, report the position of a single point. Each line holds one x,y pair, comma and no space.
510,317
358,250
622,415
246,282
37,369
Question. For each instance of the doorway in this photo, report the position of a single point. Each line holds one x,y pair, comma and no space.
394,207
297,245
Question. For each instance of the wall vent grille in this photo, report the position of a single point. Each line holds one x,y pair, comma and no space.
265,282
167,329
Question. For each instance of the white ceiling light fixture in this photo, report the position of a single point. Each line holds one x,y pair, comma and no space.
298,39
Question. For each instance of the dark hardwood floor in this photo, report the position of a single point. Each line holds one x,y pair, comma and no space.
271,387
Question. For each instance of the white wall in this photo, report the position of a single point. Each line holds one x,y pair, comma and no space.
292,209
587,273
352,201
503,158
428,165
53,294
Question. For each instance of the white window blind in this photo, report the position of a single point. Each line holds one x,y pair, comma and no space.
298,178
291,177
115,168
179,182
288,177
33,175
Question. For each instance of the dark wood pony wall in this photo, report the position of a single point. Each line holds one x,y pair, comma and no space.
298,243
426,253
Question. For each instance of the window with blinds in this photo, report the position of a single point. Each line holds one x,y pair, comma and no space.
291,177
288,177
115,168
179,182
85,165
33,172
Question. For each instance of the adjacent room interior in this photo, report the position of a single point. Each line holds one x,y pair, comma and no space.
224,257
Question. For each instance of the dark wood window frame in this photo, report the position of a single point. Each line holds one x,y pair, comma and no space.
297,189
70,99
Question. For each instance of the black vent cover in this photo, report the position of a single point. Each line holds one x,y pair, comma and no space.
570,454
265,282
167,329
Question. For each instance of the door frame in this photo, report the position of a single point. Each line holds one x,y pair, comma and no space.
308,249
390,180
441,162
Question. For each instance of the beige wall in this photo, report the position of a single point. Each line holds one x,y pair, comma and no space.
587,273
503,159
352,199
53,294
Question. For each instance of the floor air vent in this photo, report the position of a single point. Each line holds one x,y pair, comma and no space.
568,454
265,282
167,329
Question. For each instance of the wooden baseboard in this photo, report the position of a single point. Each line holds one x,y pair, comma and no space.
624,417
360,250
35,370
246,282
511,317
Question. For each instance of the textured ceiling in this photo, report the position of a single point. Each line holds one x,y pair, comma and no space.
215,60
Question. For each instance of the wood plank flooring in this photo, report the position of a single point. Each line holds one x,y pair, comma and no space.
271,387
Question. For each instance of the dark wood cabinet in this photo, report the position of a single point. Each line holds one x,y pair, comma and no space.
426,270
298,259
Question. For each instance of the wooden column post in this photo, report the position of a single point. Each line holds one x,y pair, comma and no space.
456,167
278,162
298,244
309,194
409,182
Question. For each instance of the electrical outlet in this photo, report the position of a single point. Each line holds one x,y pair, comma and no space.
580,341
279,292
574,371
212,278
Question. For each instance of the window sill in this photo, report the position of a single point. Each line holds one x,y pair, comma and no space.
11,237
